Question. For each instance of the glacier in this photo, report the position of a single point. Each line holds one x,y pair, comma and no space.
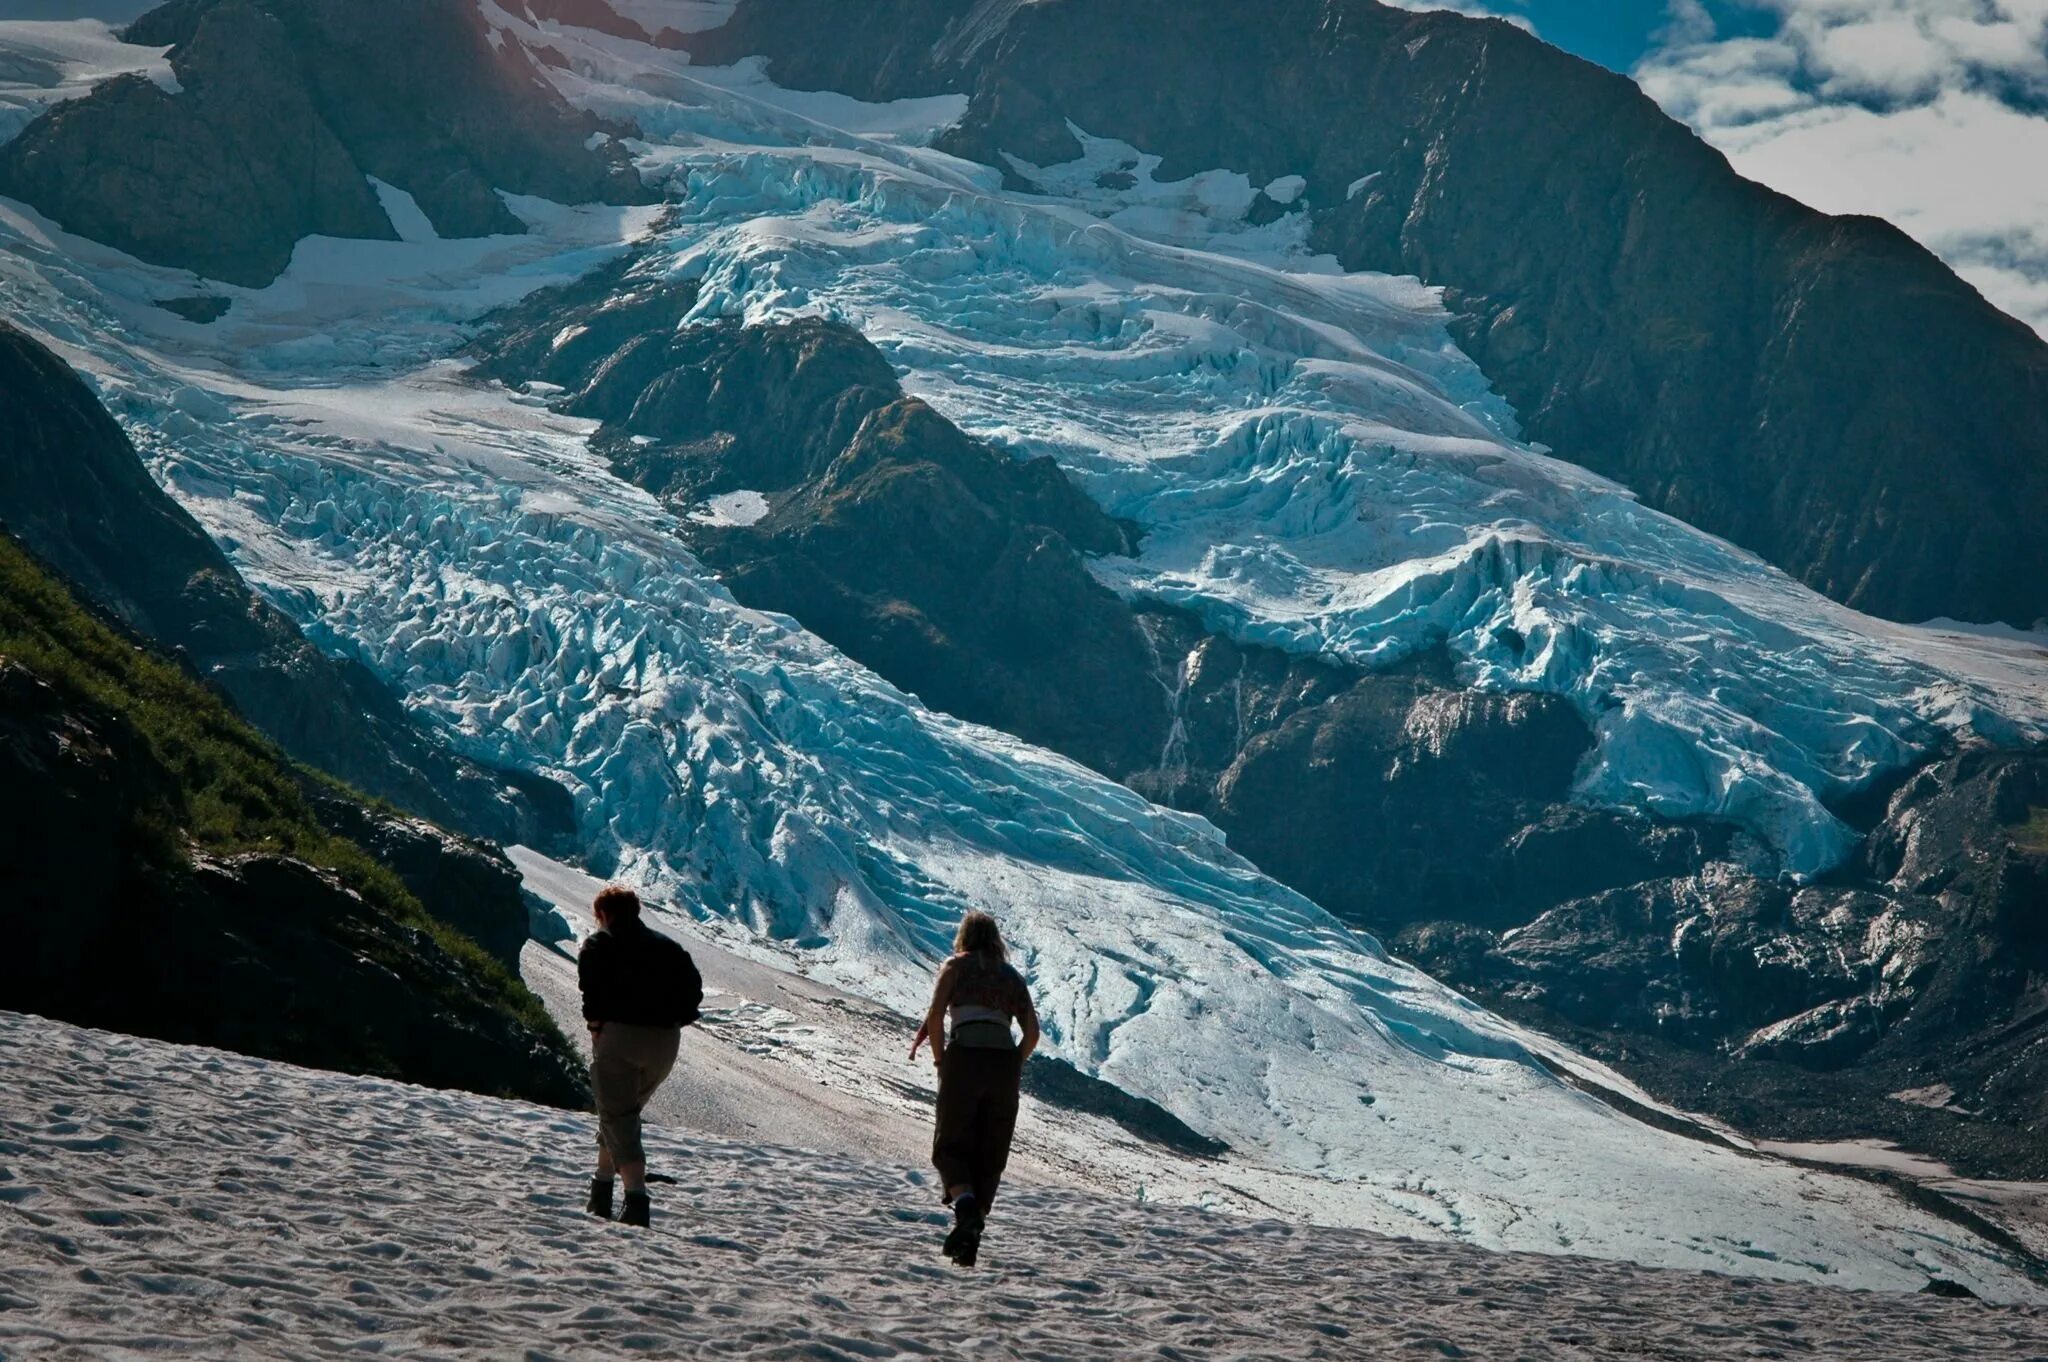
1313,462
1274,425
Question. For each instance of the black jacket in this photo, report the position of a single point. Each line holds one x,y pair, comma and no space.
634,974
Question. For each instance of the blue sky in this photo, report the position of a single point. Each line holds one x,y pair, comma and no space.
113,11
1615,34
1620,33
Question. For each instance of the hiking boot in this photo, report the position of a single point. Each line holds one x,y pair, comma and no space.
639,1211
964,1240
600,1204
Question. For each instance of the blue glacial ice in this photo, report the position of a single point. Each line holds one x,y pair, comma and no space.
1315,464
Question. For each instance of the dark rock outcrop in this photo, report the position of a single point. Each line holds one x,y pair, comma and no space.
949,567
599,16
203,308
470,885
591,14
127,797
1405,797
73,489
1919,969
285,107
1818,389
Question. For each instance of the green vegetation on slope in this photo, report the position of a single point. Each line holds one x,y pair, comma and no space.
232,791
2032,835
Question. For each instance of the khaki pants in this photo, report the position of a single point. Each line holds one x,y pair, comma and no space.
626,1065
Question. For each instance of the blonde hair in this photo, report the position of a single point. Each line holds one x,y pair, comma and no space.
979,935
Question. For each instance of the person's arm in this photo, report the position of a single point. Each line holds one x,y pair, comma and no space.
933,1028
590,980
1028,1019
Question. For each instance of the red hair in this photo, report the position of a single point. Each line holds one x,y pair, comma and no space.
618,903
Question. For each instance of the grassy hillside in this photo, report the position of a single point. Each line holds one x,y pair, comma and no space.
198,780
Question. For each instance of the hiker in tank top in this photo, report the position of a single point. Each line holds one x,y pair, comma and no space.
981,1065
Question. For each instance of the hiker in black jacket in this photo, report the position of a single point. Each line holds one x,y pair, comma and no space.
640,990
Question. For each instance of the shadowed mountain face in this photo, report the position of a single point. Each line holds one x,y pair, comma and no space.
286,107
73,489
1820,390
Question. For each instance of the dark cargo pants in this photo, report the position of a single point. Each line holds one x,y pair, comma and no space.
976,1118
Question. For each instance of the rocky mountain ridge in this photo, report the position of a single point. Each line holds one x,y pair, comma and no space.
1820,390
169,877
1904,997
286,110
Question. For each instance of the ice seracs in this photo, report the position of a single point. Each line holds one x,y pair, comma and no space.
1314,463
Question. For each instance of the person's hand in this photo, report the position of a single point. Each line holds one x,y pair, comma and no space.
918,1039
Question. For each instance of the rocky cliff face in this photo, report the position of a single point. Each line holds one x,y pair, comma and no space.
286,107
468,884
165,878
73,489
1906,996
1818,389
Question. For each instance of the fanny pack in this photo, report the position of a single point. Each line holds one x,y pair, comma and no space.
982,1035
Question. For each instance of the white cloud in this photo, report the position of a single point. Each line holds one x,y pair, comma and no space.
1471,8
1926,112
1687,22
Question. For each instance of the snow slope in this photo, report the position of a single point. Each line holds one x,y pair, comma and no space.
45,63
164,1201
465,544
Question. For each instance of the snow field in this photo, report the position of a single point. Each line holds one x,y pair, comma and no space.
47,62
167,1201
